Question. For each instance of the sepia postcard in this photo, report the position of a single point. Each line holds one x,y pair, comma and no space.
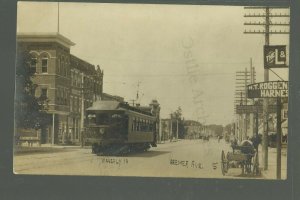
151,90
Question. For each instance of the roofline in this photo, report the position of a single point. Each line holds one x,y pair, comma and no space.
72,55
44,37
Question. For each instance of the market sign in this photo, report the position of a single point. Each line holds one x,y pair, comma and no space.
269,89
248,109
275,56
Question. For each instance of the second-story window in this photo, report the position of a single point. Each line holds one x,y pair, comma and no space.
62,65
66,97
44,65
33,65
66,67
72,78
58,66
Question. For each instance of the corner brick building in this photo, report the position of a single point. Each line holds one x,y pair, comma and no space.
70,84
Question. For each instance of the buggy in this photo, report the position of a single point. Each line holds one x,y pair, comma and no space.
243,156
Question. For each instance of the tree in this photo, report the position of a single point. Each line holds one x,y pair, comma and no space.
30,111
177,117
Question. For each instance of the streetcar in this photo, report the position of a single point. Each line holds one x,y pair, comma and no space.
116,128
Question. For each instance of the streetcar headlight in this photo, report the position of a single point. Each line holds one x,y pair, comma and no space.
102,130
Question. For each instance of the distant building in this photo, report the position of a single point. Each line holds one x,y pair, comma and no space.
192,129
70,83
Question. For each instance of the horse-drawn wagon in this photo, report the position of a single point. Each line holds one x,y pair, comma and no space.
243,156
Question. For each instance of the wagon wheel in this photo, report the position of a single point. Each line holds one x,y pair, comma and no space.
224,164
255,164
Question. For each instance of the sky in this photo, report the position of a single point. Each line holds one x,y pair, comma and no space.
180,55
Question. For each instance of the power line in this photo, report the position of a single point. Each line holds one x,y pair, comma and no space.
276,74
267,16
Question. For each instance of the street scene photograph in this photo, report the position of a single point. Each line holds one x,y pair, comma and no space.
151,90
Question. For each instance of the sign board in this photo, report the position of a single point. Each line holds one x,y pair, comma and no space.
269,89
247,109
275,56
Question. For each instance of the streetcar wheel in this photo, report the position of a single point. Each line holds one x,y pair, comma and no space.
224,164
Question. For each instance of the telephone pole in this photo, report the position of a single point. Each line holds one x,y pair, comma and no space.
243,78
267,31
82,110
58,17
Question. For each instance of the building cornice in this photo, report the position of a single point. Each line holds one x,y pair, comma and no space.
45,37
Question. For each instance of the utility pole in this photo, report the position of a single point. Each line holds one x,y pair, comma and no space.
251,115
278,169
241,81
58,17
267,15
53,129
82,109
245,115
159,132
137,92
171,129
177,130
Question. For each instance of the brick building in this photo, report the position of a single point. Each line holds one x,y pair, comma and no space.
70,84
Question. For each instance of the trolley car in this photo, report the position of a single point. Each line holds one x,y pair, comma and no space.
115,128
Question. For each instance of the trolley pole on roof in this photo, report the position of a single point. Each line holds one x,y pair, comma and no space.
132,100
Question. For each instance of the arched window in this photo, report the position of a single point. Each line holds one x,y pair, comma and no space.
44,62
44,65
66,68
33,63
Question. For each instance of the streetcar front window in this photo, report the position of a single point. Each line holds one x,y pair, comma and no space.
116,118
102,118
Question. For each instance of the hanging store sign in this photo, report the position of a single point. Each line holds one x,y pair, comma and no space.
275,56
248,109
269,89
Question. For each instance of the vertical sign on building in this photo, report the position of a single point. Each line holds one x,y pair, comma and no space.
275,56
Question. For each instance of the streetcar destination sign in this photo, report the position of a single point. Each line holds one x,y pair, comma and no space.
275,56
269,89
